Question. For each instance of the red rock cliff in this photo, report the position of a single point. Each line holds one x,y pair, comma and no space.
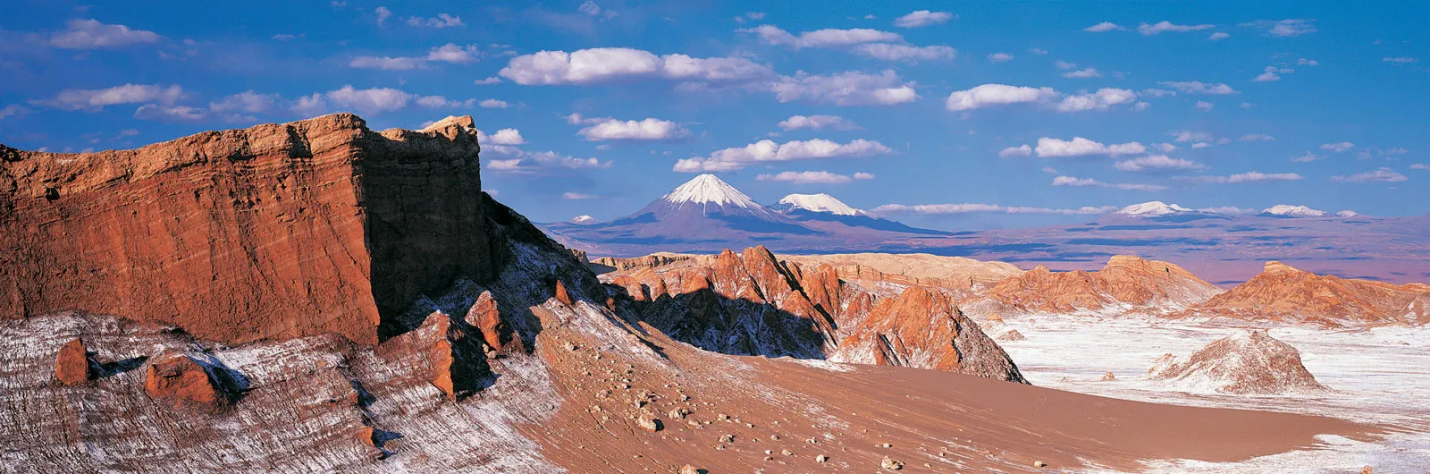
275,231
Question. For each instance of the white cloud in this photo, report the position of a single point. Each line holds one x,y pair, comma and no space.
904,52
91,34
1269,75
1284,28
1248,177
1167,26
442,20
806,177
1218,36
825,38
453,53
1038,51
1102,27
437,101
1200,145
493,104
170,113
589,8
1341,147
997,94
1190,136
488,81
1420,166
449,52
1000,57
863,175
95,99
818,122
517,161
1400,59
1307,62
922,18
505,136
978,207
1087,73
1073,181
1307,158
382,14
1204,106
1079,146
1101,100
750,16
12,110
574,196
650,129
1165,147
848,88
1021,150
1158,93
1256,137
767,151
364,101
1198,87
610,65
1381,175
386,63
1064,65
248,102
1158,163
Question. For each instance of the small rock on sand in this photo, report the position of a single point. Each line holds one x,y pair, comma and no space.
891,464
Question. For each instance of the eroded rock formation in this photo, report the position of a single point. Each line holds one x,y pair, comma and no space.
73,365
1125,283
275,231
1286,294
1246,362
193,380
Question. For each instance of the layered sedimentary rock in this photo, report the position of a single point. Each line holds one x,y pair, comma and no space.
447,354
1246,362
72,365
195,380
275,231
1285,294
757,304
1126,282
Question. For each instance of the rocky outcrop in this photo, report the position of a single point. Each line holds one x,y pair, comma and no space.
754,303
1246,362
73,365
448,355
275,231
1125,282
1283,293
183,380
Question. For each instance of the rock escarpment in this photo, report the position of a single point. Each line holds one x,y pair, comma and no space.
1247,362
275,231
1283,293
753,303
1124,283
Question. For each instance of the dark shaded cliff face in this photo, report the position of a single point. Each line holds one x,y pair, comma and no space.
275,231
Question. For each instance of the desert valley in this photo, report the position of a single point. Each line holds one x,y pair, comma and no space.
607,236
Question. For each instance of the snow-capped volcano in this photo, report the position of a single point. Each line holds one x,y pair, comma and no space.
709,194
816,203
1153,208
584,219
1286,210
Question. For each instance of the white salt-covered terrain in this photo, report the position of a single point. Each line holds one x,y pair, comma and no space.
1377,375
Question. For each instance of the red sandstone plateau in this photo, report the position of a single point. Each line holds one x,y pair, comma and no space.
316,296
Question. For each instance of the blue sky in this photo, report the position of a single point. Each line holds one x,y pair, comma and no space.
947,115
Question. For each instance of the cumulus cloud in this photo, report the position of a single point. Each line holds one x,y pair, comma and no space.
1055,148
1341,147
450,53
1000,57
12,110
1167,26
997,94
979,207
1021,150
91,34
848,88
493,104
818,122
242,106
1307,62
767,151
1158,163
1218,36
1087,73
1248,177
505,136
368,101
1256,137
442,20
807,177
382,14
1307,158
488,81
1381,175
1102,27
1190,136
1204,106
1272,73
904,52
647,130
825,38
386,63
922,18
1103,99
513,160
612,65
862,175
95,99
1284,28
170,113
1198,87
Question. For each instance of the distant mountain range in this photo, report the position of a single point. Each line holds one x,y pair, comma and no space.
706,215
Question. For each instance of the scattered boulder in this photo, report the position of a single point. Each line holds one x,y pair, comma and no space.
184,381
821,458
1246,362
650,423
890,464
688,469
73,365
1108,377
1011,335
1039,464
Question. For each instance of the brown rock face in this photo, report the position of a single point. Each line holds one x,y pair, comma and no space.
1283,293
183,381
276,231
922,328
1149,284
72,366
1247,362
486,318
562,295
449,355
